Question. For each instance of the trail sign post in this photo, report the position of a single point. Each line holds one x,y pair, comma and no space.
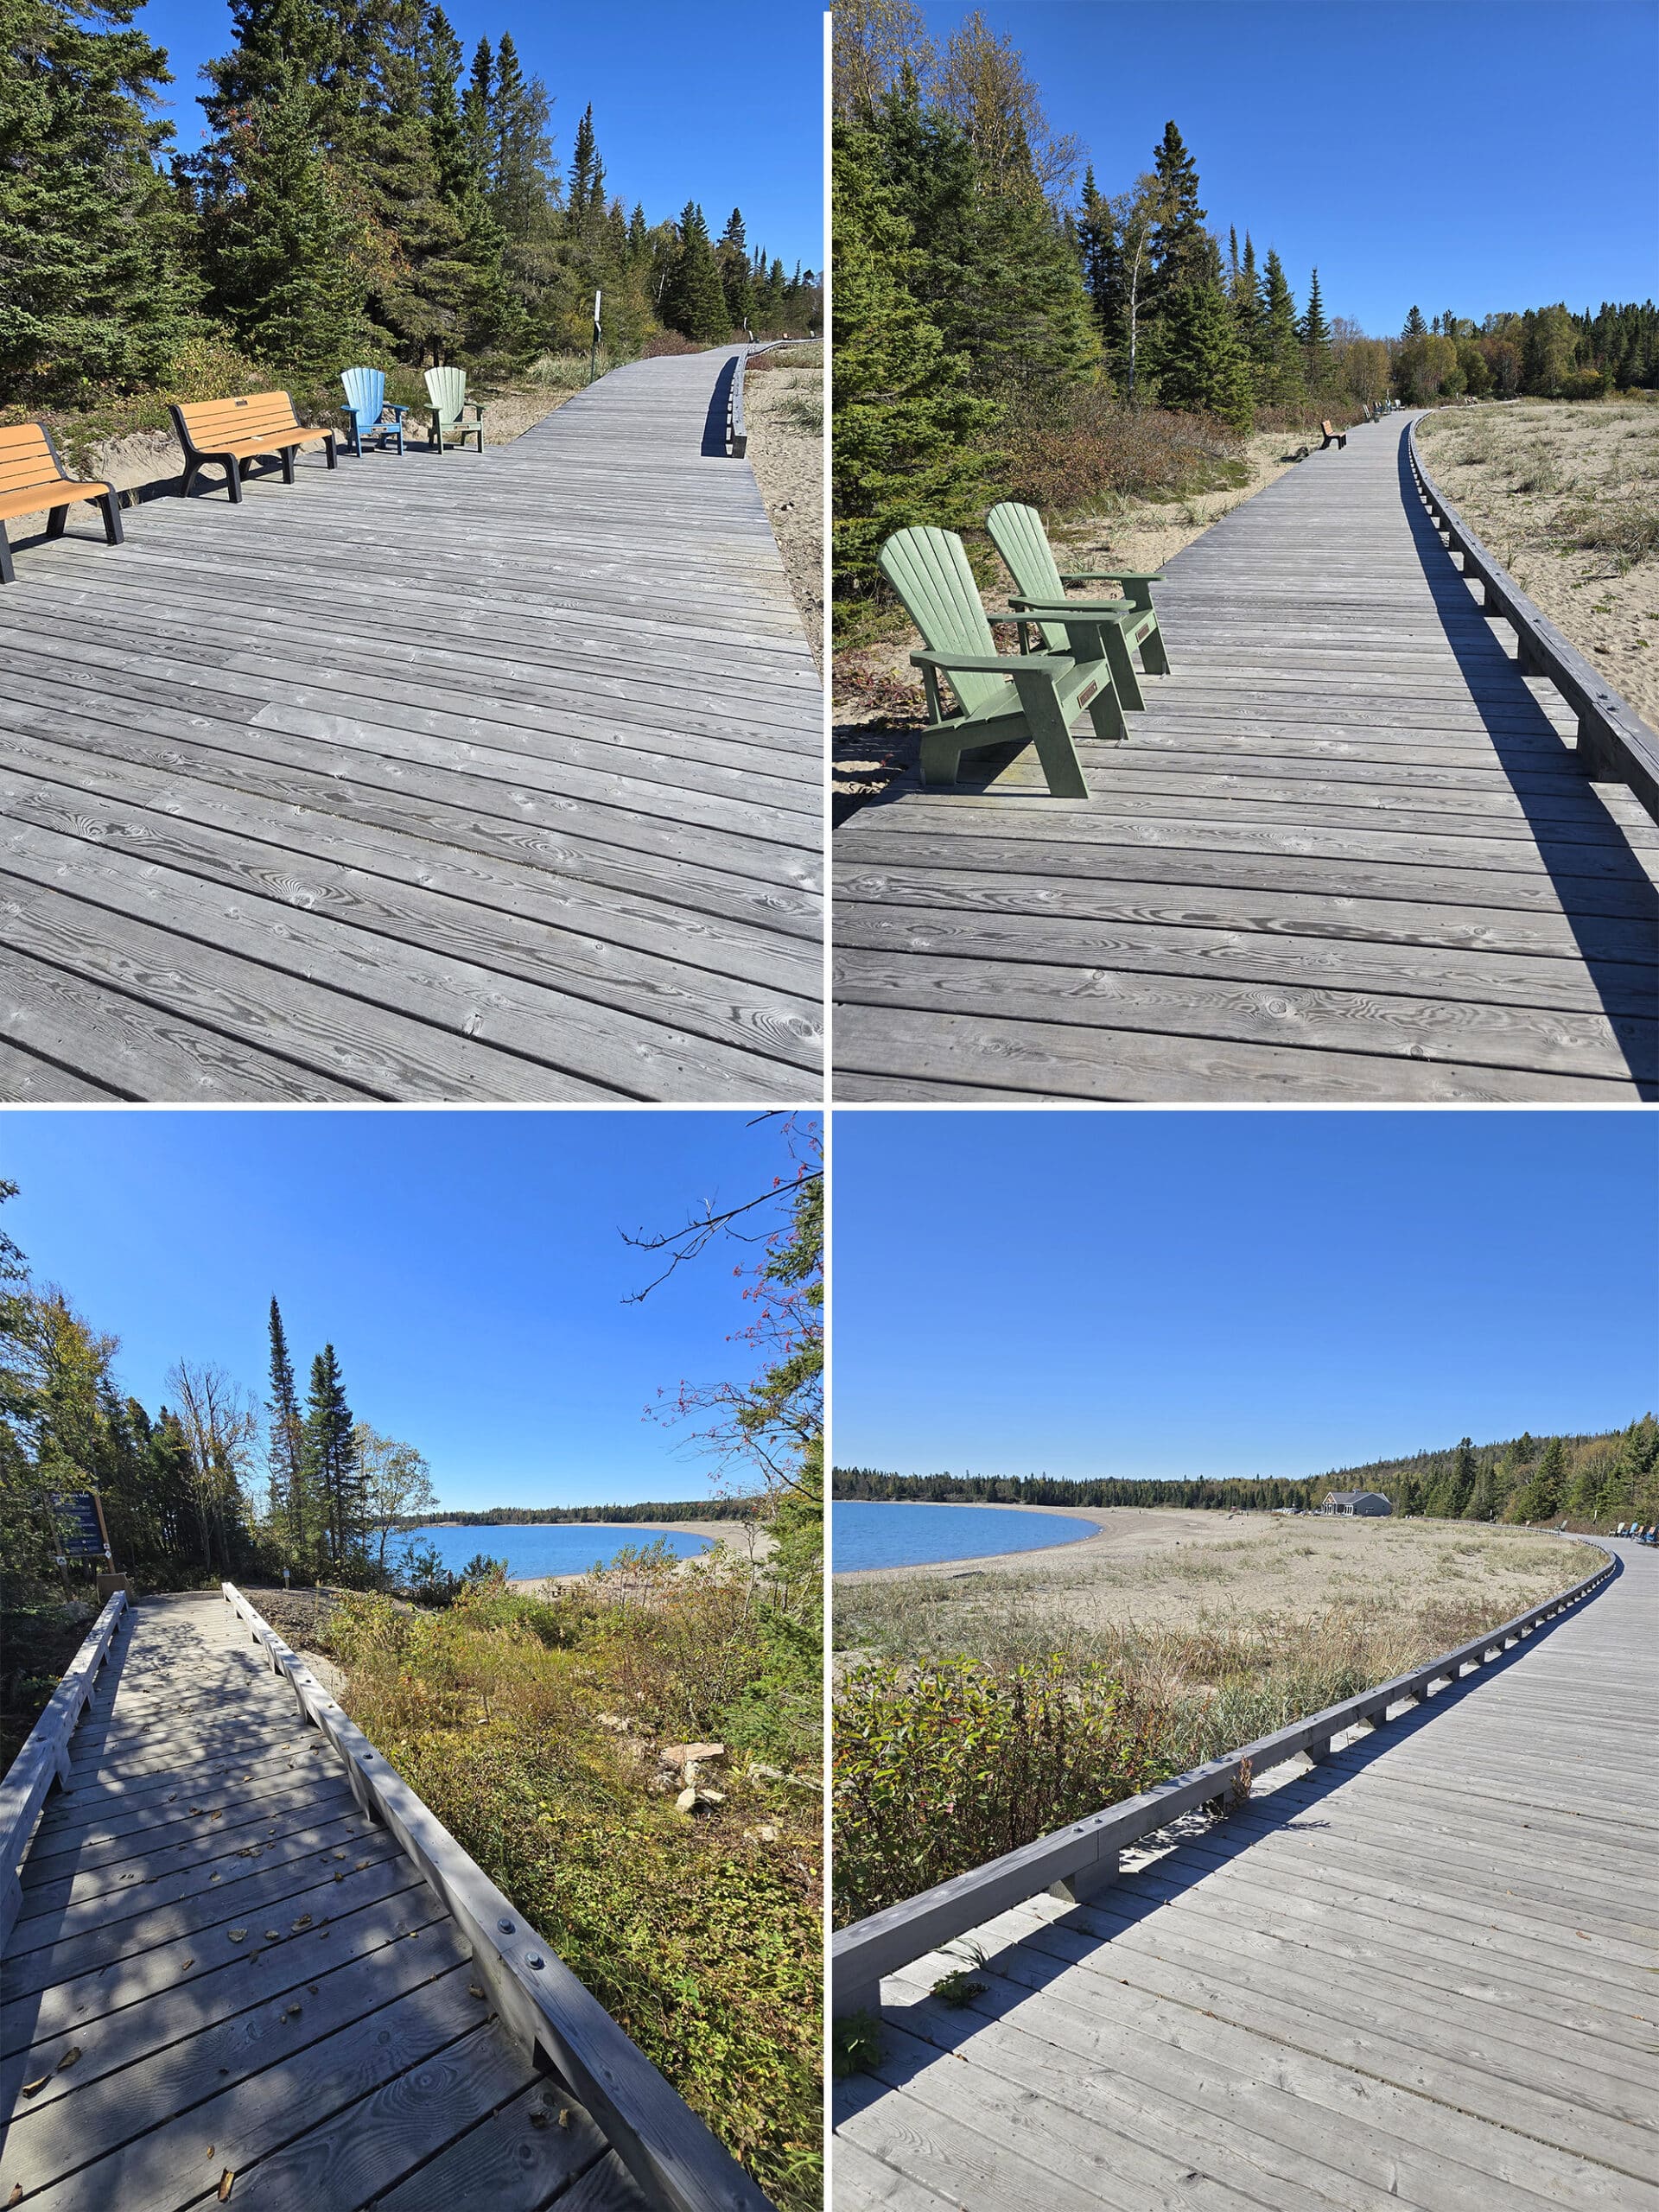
593,359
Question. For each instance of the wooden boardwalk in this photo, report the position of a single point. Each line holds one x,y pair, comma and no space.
221,1964
456,778
1422,1974
1347,854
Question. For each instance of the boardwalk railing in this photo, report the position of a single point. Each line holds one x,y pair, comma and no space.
671,2153
737,436
44,1758
1614,745
1076,1862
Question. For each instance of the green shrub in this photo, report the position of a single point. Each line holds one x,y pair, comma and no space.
941,1767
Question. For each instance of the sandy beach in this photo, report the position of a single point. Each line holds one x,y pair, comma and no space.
736,1534
1163,1567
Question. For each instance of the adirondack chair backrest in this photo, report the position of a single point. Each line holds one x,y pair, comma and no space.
447,390
365,393
929,570
1018,534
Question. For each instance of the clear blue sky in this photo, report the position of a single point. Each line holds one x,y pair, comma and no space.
724,107
1216,1293
467,1267
1473,155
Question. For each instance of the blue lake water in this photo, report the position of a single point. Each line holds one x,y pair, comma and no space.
556,1547
867,1534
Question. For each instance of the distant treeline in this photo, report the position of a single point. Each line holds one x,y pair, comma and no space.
1606,1478
542,1517
1227,1496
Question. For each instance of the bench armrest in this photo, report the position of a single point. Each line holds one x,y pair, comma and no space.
1092,610
994,664
1112,575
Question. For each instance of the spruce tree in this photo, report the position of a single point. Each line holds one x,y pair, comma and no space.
693,299
733,256
94,282
1201,365
908,432
1460,1484
1316,339
331,1469
285,1452
1415,326
477,107
1541,1498
582,196
1279,372
1247,302
280,246
1180,246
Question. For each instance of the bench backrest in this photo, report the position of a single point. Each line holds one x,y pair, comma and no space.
365,393
215,422
929,570
1019,536
26,460
1329,429
447,390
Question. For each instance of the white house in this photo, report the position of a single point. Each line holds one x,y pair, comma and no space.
1369,1503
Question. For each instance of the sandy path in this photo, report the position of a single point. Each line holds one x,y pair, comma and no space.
1531,476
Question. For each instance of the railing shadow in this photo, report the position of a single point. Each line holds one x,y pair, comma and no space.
1613,909
1130,1901
719,400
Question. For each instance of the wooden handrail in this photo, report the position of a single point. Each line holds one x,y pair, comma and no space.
1614,745
44,1758
669,2151
737,436
1082,1858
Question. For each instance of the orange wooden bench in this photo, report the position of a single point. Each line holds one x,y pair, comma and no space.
1333,437
234,432
32,477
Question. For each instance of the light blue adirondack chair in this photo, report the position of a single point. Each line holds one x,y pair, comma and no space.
365,410
447,390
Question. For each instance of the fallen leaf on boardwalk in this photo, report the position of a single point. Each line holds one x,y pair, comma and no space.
339,1878
361,1864
292,2013
16,2196
564,2116
340,1855
304,1921
215,1877
225,2181
237,1934
69,2057
188,1962
472,1989
271,1936
32,2089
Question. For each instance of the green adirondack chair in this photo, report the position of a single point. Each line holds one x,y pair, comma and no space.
447,390
1019,536
1031,698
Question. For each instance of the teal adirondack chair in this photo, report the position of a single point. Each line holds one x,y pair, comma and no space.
447,390
365,410
1019,536
1031,698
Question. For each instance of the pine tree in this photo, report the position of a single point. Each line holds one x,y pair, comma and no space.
280,254
1247,302
1415,326
1316,339
285,1452
585,172
1097,243
1201,365
733,256
1279,371
1541,1499
1179,244
1460,1484
331,1470
477,109
94,284
907,429
693,299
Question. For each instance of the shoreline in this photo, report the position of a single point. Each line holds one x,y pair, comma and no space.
714,1532
1078,1544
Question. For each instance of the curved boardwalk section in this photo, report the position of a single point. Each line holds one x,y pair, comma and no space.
221,1965
439,778
1347,854
1421,1975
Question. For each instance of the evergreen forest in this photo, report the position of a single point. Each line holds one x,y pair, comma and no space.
1593,1481
1007,324
365,192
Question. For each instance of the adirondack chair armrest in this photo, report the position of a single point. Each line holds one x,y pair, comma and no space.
994,664
391,408
1111,576
1049,608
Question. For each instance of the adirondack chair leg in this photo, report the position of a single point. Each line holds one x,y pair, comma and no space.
8,573
1125,682
55,521
1106,717
1051,737
113,533
1153,658
941,758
